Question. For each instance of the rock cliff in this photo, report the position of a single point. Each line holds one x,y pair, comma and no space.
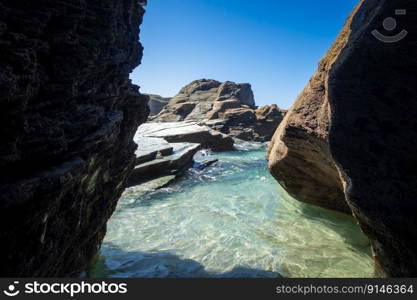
357,118
68,114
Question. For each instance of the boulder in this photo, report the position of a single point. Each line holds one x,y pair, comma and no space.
68,114
356,118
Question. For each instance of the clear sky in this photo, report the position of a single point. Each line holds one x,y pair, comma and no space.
274,45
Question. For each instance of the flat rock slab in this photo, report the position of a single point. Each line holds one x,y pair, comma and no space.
181,157
149,148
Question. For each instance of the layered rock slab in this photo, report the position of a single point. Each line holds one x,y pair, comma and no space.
357,117
68,113
156,103
299,155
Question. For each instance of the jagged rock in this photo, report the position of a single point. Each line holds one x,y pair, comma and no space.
149,148
169,148
156,103
248,124
180,159
187,132
366,89
68,113
228,107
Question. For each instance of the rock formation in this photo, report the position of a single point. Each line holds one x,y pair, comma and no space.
68,116
245,123
299,155
227,107
156,103
365,90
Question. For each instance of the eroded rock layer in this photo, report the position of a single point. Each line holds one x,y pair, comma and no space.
68,114
227,107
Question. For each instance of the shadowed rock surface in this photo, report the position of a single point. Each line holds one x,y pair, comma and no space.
156,103
366,90
372,90
68,115
227,107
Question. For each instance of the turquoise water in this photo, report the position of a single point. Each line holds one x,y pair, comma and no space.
230,220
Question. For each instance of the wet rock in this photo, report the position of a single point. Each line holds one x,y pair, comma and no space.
68,113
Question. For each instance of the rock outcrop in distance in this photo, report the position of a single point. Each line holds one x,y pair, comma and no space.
68,114
357,118
156,103
227,107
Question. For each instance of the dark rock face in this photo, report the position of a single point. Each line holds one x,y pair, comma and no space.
372,91
358,114
227,107
299,155
68,115
156,103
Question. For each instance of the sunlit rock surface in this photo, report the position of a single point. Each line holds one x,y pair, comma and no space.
227,107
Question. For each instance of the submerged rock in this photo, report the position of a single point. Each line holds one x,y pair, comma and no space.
227,107
365,90
68,113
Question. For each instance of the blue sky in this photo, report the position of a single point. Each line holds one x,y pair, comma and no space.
274,45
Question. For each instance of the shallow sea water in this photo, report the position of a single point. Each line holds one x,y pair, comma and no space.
230,220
